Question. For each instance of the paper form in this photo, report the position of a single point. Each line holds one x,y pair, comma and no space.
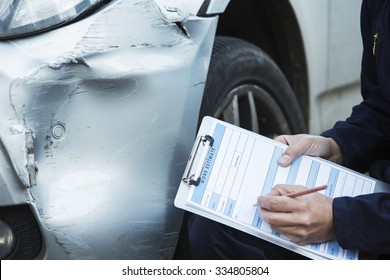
242,165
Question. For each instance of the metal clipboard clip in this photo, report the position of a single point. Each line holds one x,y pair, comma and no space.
197,160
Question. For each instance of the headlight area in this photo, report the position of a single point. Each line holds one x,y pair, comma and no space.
20,237
25,17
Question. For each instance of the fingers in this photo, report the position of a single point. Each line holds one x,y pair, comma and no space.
279,212
296,234
280,204
302,219
309,145
283,189
297,145
275,203
283,139
277,218
286,159
286,223
277,209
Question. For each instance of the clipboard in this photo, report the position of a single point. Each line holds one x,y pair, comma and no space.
197,160
226,160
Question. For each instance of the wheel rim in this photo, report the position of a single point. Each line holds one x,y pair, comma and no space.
251,107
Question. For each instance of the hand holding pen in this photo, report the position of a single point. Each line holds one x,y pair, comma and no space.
305,220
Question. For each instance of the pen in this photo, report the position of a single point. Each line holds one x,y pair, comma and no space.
315,189
296,194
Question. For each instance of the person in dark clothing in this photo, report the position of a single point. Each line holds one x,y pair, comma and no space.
361,142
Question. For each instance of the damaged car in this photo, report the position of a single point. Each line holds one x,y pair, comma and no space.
100,101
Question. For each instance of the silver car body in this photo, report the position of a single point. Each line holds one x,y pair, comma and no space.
97,119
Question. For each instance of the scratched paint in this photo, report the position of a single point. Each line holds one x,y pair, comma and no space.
112,102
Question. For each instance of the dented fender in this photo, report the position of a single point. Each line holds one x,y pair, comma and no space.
97,118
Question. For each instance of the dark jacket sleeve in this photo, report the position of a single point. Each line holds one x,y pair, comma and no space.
363,222
365,136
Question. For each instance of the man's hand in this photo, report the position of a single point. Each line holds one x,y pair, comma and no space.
304,219
308,218
310,145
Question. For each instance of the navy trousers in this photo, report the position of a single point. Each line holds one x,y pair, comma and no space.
210,240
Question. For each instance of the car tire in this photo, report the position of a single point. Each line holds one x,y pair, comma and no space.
245,87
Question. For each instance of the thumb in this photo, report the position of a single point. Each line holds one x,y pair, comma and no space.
297,147
286,158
